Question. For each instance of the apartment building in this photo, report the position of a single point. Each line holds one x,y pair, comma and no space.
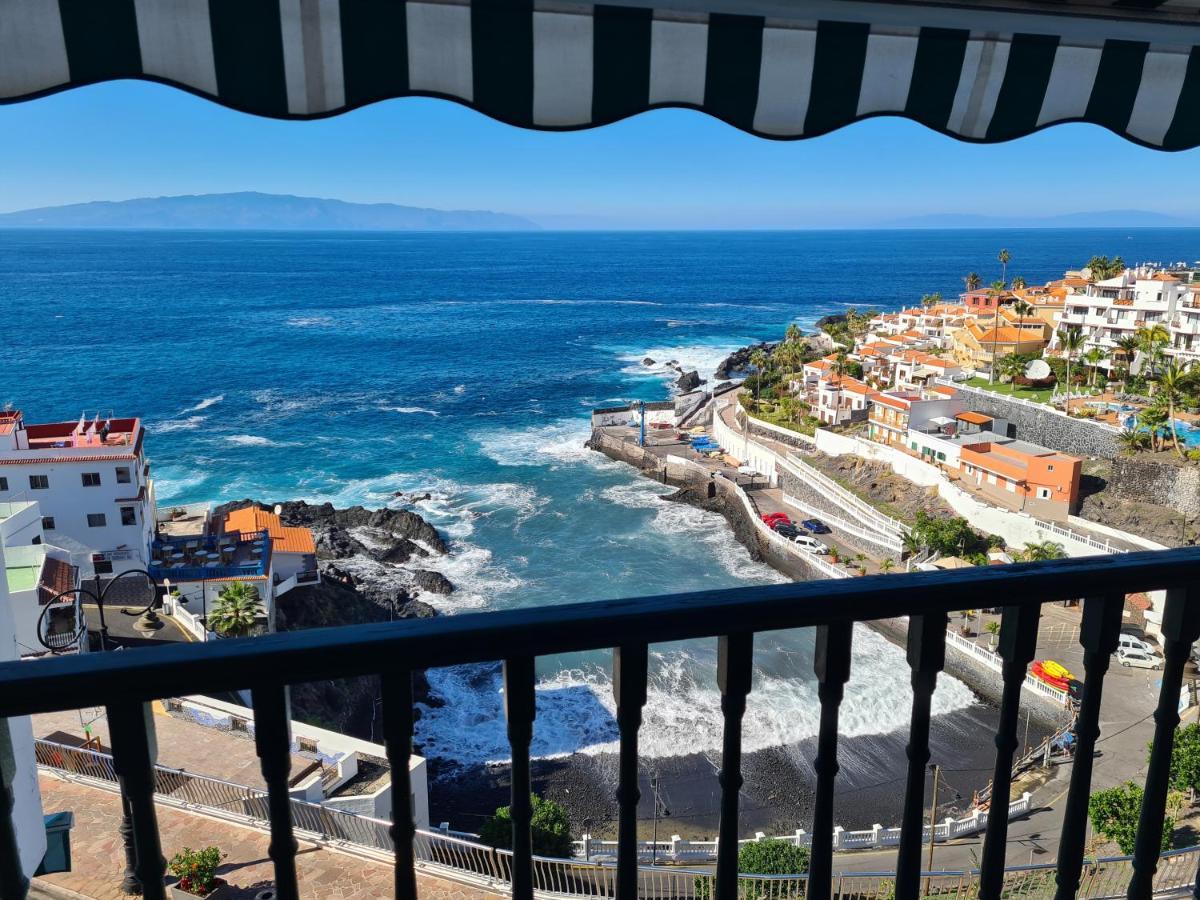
894,413
1138,298
1006,332
841,399
92,483
1022,476
36,574
915,369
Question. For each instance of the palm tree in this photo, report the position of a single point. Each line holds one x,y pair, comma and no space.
1037,552
1072,341
792,334
1018,283
1022,309
1013,367
1093,358
1154,419
1133,441
236,609
911,543
1103,268
758,359
1004,256
840,361
973,281
997,291
931,299
1173,382
887,565
1151,340
1128,346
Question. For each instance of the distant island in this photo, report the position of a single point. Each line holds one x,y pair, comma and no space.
1106,218
255,211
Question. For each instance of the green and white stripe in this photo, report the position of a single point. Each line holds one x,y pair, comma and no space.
984,75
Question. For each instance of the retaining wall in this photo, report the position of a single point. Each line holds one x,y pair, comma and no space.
1163,484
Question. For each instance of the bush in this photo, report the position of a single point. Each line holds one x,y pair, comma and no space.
769,857
550,826
196,869
1114,814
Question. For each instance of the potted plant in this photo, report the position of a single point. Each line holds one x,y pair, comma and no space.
197,874
993,629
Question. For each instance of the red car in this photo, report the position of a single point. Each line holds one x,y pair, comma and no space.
775,518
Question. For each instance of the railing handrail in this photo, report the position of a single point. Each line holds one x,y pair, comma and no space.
348,651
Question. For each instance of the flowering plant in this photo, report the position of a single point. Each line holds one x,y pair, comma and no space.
196,869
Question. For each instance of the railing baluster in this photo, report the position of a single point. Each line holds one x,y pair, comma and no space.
397,693
1018,644
273,743
832,666
1181,628
13,882
519,711
1098,634
735,656
926,657
629,689
132,731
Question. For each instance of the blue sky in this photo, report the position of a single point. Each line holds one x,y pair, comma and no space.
669,168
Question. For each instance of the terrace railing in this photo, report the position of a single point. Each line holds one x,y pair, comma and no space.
125,682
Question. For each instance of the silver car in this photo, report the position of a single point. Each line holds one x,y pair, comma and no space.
1139,659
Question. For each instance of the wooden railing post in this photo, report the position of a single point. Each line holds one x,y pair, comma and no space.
831,664
519,711
629,690
1018,643
1098,634
926,657
1180,628
735,657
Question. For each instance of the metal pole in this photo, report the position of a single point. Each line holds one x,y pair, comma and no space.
1025,749
654,836
932,821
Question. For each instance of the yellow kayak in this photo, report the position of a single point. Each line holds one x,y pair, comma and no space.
1056,670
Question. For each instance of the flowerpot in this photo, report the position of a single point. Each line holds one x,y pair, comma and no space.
220,891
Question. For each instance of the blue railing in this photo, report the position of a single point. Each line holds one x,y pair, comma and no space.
253,569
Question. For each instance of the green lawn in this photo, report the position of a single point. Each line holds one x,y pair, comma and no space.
773,416
1038,396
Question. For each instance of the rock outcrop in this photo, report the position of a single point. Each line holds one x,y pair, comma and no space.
688,382
737,363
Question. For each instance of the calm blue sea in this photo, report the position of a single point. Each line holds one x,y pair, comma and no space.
348,367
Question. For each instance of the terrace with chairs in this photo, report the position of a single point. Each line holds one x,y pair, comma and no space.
209,557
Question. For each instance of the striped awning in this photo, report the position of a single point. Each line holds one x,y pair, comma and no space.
980,71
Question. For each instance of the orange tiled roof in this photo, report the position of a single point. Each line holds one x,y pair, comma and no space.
942,389
284,539
889,400
974,418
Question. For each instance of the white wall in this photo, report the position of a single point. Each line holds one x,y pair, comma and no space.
16,751
743,449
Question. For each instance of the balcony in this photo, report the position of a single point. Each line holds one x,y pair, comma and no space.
124,682
209,558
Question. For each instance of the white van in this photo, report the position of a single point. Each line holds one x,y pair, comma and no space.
1131,642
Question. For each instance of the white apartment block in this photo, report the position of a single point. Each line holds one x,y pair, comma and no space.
92,483
35,573
1137,298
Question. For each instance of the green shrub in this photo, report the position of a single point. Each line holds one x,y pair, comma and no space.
1114,814
769,857
550,826
196,869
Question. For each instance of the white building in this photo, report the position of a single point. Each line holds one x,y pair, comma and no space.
1137,298
35,574
92,483
16,744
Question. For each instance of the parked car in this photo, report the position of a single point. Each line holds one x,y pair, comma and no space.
816,526
786,529
811,544
1132,642
1139,659
771,517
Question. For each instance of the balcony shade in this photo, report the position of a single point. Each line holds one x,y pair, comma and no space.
786,69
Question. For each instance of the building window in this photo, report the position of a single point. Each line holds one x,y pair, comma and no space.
1043,493
1049,467
123,475
96,520
91,479
47,523
102,567
128,515
39,482
3,484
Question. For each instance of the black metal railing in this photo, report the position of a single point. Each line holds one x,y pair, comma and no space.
124,682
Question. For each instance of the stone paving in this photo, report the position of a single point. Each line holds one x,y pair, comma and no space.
98,859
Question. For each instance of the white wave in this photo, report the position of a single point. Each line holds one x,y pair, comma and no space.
275,402
460,389
576,712
556,444
704,358
191,423
250,440
410,410
168,484
310,321
206,403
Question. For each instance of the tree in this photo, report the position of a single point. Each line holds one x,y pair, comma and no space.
1093,358
1185,757
550,827
1173,382
1128,347
911,542
1012,366
758,359
1154,419
1114,814
1133,441
1071,340
997,291
993,630
931,299
1004,256
973,281
1022,309
1039,552
1018,283
1103,268
237,608
887,565
1151,340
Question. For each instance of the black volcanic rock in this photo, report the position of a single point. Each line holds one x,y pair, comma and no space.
688,381
433,582
738,362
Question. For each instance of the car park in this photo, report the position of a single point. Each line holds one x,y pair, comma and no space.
1139,659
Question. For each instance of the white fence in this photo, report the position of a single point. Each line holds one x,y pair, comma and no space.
823,565
818,480
993,661
682,851
888,543
1104,546
1032,404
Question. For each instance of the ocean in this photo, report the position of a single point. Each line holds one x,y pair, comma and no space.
349,367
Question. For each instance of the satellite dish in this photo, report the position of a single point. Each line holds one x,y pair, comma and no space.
1037,370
